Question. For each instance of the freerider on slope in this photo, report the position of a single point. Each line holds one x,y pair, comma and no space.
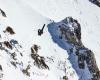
40,31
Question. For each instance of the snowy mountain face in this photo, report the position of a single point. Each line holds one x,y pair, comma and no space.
49,40
68,36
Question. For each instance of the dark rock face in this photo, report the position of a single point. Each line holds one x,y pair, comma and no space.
68,31
9,30
39,61
96,2
26,72
72,32
3,13
1,73
7,44
0,67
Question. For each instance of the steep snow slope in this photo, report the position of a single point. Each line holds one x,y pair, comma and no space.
25,17
25,22
84,11
22,17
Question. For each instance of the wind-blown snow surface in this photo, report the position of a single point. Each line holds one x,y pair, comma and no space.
25,17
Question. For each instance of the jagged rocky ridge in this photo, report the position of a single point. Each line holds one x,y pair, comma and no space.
96,2
68,36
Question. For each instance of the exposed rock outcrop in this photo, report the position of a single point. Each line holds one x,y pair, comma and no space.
68,31
3,13
39,61
96,2
9,30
